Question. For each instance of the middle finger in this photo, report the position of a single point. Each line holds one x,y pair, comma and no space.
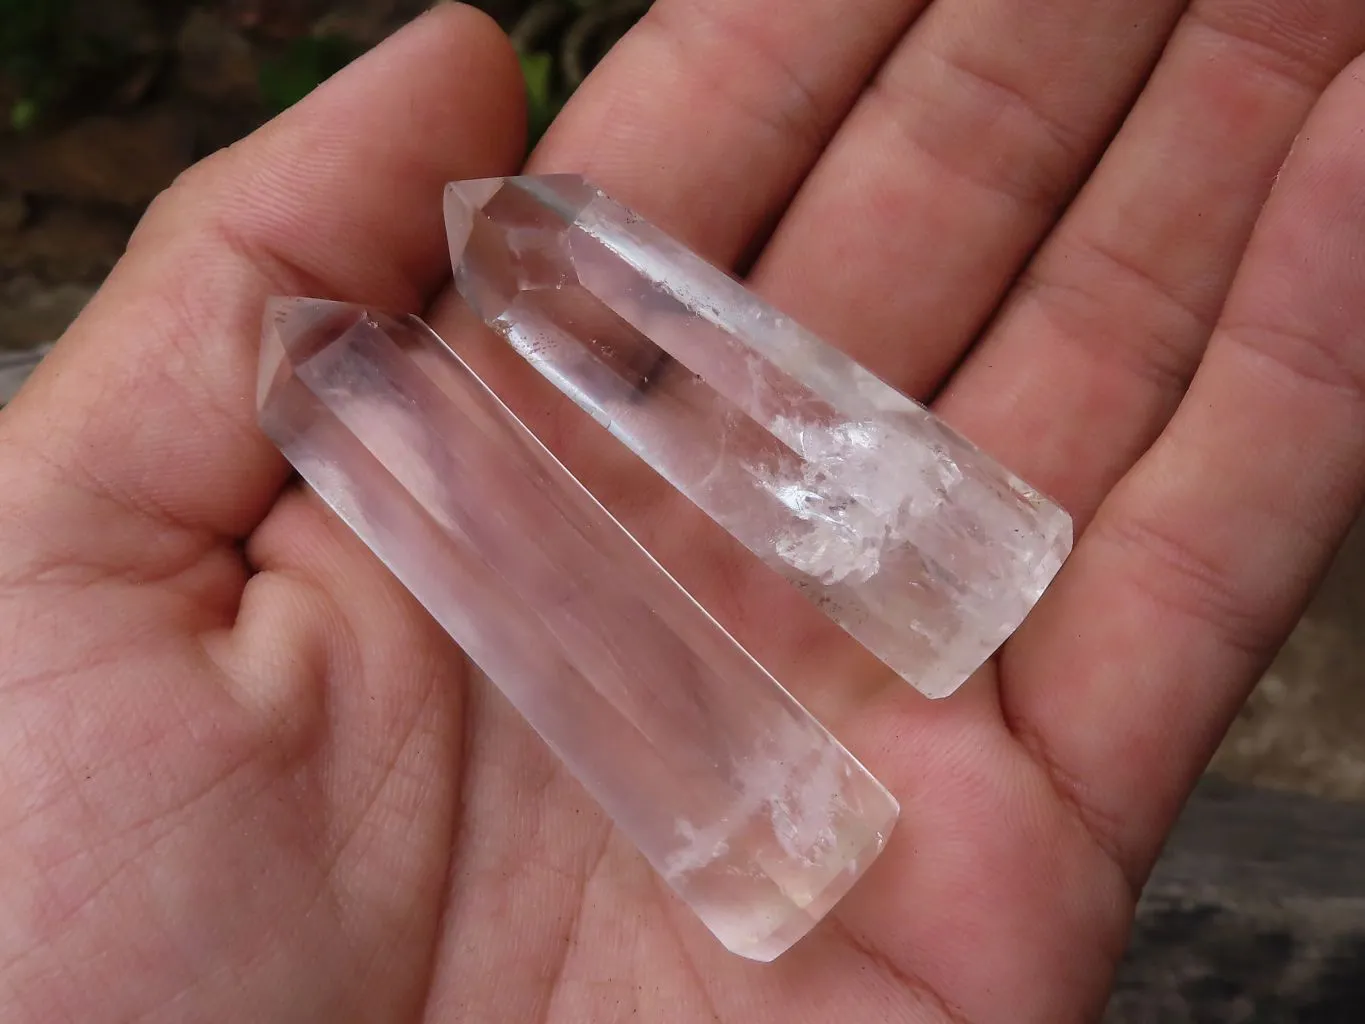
953,166
705,118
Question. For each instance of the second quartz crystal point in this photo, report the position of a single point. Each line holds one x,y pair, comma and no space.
920,545
749,809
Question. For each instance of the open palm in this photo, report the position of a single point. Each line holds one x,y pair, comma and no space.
244,777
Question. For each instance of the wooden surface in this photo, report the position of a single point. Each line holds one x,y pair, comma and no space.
1256,913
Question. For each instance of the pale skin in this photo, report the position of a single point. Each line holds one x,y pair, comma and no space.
243,777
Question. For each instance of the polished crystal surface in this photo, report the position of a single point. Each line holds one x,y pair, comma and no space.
916,542
749,809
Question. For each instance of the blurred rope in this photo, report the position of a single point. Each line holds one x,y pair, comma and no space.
540,18
598,24
586,30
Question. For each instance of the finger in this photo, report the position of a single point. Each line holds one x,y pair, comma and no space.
953,166
705,119
1196,566
1092,355
147,404
708,114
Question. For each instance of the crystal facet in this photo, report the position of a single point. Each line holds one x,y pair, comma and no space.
917,543
750,810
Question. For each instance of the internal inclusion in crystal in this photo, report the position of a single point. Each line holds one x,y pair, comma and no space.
748,808
916,542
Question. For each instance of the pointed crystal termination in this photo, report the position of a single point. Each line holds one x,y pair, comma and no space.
917,543
750,810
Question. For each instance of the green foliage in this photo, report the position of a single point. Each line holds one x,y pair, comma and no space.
305,64
24,113
543,101
54,55
53,52
33,53
559,42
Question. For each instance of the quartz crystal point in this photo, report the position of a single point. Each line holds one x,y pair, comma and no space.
917,543
746,806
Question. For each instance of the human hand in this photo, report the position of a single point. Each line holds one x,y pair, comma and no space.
242,775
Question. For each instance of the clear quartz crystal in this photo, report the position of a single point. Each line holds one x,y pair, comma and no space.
916,542
746,806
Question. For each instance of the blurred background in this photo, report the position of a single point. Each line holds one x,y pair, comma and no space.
104,102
